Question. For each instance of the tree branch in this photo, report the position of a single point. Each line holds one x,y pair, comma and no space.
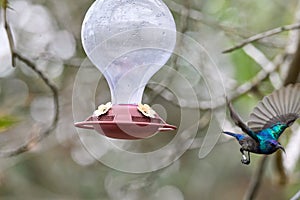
239,91
248,86
292,76
294,69
296,196
263,35
8,30
256,179
36,137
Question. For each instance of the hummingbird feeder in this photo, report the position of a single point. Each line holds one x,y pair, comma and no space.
128,41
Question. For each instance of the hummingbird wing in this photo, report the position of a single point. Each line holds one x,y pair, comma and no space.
280,107
239,122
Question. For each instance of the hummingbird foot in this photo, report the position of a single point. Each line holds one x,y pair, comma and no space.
244,159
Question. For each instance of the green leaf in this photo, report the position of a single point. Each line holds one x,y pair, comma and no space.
6,122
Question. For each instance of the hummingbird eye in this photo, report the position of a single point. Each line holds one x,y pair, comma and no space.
272,144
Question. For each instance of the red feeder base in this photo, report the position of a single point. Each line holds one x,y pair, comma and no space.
125,122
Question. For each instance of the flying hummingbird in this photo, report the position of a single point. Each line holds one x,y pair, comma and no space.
267,122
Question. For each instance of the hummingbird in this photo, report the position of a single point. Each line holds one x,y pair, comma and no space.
268,120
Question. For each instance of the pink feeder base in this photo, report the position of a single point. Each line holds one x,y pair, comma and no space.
125,122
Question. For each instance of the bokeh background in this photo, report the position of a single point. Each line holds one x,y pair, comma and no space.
58,167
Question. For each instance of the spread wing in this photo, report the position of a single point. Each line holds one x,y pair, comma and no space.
280,107
239,122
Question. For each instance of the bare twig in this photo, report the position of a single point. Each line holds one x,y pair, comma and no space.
36,138
191,13
239,91
15,55
263,35
267,70
235,32
246,87
256,180
32,65
8,31
260,76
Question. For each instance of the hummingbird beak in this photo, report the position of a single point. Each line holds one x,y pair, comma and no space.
281,148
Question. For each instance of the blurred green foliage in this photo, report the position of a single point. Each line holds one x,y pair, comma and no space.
7,121
247,68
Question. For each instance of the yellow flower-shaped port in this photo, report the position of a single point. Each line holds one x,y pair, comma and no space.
146,110
102,109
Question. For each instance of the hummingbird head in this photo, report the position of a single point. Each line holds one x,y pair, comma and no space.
276,145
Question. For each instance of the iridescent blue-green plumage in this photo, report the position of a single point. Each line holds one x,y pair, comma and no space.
267,122
270,134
